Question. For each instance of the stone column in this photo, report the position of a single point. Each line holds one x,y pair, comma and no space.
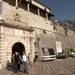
38,12
2,50
46,15
31,44
31,47
16,3
28,7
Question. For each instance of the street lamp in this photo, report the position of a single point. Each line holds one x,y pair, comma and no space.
37,46
38,39
36,43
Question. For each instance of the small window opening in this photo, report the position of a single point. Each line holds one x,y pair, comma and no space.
44,31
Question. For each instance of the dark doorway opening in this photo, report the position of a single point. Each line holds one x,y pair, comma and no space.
19,47
51,51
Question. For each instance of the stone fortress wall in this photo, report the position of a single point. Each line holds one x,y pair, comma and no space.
43,28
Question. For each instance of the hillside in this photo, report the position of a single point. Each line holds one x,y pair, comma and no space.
67,24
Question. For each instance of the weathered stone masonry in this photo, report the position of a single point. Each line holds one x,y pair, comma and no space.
25,23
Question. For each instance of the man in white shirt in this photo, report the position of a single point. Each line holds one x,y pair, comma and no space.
25,64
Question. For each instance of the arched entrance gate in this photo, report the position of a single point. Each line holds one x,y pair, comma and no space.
19,47
14,45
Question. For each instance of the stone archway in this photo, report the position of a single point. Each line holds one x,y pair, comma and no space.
13,43
19,47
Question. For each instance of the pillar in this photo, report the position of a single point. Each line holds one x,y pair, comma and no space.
2,52
46,15
28,7
38,12
16,3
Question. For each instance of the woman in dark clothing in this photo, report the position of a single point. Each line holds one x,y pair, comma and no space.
36,59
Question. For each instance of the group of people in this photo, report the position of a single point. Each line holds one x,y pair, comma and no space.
17,60
23,59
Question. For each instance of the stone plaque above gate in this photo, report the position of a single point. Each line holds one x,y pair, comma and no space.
18,32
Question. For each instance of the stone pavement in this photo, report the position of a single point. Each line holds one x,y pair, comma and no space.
57,67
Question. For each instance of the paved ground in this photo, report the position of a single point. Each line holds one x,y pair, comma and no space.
57,67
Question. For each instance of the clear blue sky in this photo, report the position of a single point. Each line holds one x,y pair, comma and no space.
62,9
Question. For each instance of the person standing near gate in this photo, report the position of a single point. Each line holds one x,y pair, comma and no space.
13,60
25,64
17,61
30,60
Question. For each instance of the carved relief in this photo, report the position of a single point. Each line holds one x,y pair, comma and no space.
17,17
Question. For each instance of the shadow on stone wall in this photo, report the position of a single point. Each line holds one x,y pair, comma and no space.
9,64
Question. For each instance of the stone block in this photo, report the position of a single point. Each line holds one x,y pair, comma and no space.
0,66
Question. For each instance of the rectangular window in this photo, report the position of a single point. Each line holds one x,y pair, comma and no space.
33,10
42,14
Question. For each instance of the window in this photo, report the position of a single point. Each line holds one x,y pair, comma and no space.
33,10
43,14
30,1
